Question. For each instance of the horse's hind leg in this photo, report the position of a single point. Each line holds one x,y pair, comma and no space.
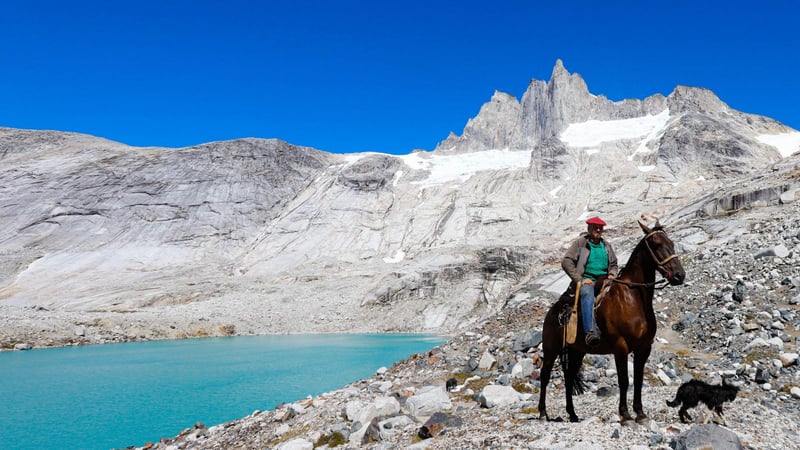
551,347
548,359
571,378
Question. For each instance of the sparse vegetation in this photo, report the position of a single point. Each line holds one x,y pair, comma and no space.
291,434
522,386
334,439
759,354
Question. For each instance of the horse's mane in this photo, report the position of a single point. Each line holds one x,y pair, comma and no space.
639,247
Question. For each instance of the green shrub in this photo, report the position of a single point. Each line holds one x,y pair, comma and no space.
334,439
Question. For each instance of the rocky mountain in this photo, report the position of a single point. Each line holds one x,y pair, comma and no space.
107,242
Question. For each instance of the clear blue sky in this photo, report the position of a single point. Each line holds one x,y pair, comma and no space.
349,76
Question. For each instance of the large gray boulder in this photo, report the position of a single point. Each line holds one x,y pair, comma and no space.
707,436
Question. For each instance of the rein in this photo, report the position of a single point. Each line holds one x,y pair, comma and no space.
662,282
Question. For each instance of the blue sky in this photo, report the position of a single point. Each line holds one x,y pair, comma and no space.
350,76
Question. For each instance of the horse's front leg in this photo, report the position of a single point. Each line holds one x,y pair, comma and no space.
621,361
639,360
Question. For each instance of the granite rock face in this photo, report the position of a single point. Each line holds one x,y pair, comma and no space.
261,236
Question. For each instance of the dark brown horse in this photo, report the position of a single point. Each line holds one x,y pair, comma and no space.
626,321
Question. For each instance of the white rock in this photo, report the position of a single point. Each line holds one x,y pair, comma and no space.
386,406
663,377
497,395
429,400
781,251
523,368
487,361
789,196
795,391
353,409
297,444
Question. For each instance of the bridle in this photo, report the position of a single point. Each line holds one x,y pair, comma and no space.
662,283
661,264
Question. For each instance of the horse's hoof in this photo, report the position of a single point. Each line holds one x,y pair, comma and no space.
544,417
626,420
643,420
574,419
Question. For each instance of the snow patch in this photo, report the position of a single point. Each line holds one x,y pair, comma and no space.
398,256
594,132
445,168
786,143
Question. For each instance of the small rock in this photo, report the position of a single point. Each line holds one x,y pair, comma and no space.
788,359
795,391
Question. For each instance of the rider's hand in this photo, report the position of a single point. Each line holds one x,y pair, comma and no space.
588,281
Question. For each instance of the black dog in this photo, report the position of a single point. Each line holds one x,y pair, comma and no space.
695,391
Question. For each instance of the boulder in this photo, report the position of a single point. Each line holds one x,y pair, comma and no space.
708,436
428,401
495,395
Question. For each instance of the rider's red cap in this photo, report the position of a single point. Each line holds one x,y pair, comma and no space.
596,221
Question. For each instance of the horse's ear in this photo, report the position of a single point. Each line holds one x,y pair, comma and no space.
658,223
644,227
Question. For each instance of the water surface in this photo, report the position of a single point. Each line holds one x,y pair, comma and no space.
116,395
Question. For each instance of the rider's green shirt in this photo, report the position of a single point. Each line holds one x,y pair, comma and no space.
597,264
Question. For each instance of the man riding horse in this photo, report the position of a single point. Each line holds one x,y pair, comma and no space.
589,261
625,317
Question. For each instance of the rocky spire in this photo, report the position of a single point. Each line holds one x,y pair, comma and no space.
546,109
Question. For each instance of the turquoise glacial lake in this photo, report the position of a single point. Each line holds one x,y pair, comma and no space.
117,395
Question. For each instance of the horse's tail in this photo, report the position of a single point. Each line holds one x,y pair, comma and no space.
573,377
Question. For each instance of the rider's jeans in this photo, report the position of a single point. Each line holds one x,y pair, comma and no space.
587,308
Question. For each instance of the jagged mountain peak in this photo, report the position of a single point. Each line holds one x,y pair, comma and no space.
695,99
548,108
559,69
561,77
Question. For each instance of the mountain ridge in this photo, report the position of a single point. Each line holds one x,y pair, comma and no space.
429,241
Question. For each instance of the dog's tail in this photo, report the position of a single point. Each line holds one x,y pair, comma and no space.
674,403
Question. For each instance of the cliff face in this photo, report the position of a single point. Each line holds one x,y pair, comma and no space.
277,238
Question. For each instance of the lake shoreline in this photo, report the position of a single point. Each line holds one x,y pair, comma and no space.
29,328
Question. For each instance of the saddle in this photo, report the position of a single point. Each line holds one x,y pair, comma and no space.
568,316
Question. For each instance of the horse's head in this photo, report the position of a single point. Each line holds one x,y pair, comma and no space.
662,250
